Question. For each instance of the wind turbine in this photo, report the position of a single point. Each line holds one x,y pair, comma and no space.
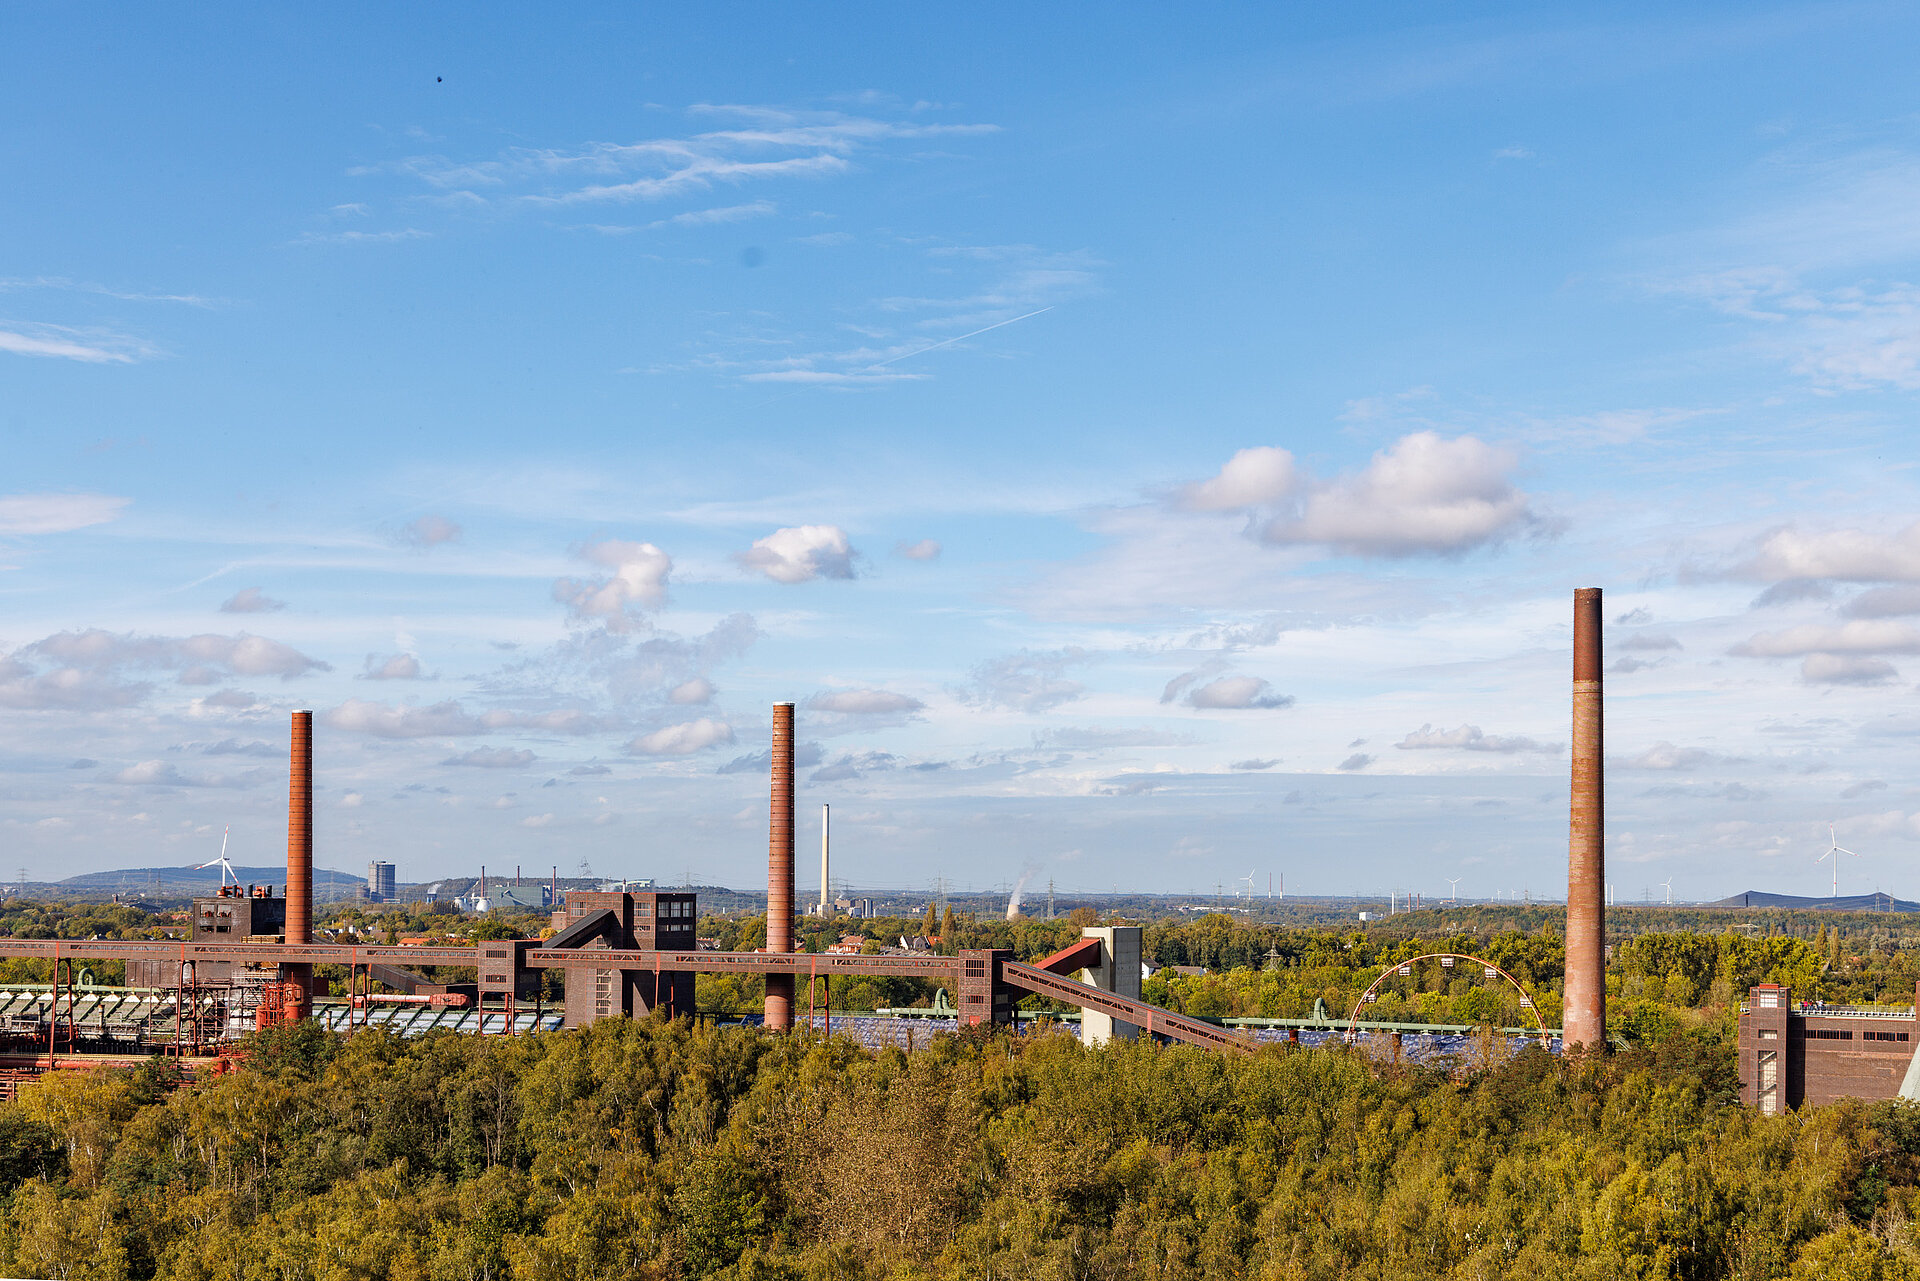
1667,885
226,868
1248,878
1453,888
1834,851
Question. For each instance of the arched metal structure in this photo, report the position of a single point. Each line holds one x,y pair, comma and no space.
1405,968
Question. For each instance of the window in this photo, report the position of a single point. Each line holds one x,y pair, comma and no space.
1769,1082
1828,1034
1768,1000
1769,1034
1883,1036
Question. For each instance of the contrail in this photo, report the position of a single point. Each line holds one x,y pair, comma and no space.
946,342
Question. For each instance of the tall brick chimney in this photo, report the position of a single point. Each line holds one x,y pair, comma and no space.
779,1006
299,926
1584,1021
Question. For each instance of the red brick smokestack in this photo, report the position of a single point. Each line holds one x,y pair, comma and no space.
1585,1019
779,1007
299,926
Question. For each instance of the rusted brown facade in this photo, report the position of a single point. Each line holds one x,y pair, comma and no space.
779,1002
1792,1056
1585,1017
642,921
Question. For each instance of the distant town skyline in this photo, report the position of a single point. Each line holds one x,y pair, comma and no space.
1146,446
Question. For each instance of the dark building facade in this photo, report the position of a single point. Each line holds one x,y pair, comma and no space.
1813,1054
646,921
233,915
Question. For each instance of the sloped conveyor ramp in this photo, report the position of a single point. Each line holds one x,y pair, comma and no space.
1150,1018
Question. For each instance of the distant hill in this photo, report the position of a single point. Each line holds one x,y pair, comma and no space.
173,881
1845,903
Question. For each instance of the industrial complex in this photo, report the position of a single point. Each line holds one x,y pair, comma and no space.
247,960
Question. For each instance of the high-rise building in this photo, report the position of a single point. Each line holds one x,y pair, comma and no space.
380,882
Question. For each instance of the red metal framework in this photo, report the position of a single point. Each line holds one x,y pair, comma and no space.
1150,1018
1404,969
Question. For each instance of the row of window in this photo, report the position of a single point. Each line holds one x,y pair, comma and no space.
1834,1034
672,909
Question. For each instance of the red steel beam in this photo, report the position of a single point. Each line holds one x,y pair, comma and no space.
1150,1018
773,964
1084,955
263,953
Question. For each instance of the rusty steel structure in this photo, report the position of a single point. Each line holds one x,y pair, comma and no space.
1584,1021
779,1001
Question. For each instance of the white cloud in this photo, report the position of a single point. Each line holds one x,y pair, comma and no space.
1862,636
1846,669
448,719
163,774
846,711
443,719
251,655
352,801
1238,693
67,688
493,758
57,513
682,740
536,820
638,582
1026,681
1649,643
1256,764
1255,477
1665,756
395,667
151,773
61,343
1852,555
708,217
925,549
250,600
1469,738
1083,738
691,693
1884,602
768,143
801,553
361,237
76,669
1425,494
431,531
864,702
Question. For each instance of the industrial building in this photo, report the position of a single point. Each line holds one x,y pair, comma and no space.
380,882
1807,1054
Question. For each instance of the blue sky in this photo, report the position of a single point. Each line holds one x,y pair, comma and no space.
1151,449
